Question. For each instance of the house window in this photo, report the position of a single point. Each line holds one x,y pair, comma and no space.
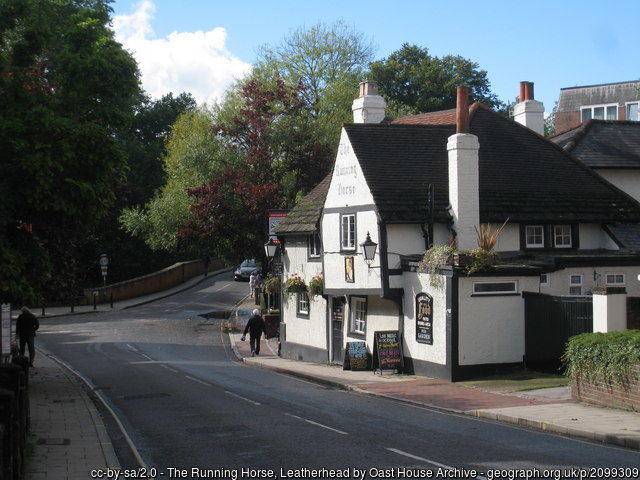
562,236
358,315
544,280
534,236
303,303
599,112
495,288
348,232
575,284
615,279
632,112
315,248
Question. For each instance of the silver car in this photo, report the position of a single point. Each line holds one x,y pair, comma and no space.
246,268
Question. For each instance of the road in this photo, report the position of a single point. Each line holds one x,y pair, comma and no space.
185,402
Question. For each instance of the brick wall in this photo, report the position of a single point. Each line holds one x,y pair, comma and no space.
624,397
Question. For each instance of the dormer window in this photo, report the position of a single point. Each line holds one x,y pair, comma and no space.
548,237
534,236
562,236
599,112
632,111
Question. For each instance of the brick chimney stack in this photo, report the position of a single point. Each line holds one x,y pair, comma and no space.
369,107
464,183
529,112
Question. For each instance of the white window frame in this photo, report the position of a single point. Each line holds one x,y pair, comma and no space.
545,280
627,108
477,290
563,236
314,245
576,281
302,303
534,234
359,315
348,232
615,279
592,108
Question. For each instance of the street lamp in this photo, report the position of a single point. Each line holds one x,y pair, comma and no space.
271,248
369,250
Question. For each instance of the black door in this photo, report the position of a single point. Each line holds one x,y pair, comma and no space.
337,319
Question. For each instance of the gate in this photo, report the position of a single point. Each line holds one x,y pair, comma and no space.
549,322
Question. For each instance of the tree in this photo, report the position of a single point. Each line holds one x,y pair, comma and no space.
66,89
194,156
415,82
329,61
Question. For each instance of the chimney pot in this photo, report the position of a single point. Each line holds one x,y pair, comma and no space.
462,110
526,91
368,88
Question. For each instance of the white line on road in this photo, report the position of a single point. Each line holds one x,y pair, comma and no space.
168,367
242,398
426,460
317,424
198,381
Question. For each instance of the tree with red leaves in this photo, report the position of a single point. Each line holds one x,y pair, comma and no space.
281,161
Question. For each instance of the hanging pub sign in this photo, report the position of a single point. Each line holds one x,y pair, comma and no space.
424,318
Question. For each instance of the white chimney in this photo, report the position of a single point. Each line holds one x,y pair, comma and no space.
464,184
369,107
529,112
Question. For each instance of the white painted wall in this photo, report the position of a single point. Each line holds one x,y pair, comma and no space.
349,193
381,315
592,278
592,237
415,283
308,330
491,328
609,312
404,239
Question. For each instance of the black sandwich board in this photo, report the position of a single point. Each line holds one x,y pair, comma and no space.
356,356
388,351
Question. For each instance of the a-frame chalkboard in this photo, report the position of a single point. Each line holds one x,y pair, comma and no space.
387,352
356,356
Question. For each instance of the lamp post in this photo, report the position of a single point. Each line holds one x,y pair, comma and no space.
369,250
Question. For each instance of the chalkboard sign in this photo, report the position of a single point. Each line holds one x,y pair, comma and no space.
388,350
356,356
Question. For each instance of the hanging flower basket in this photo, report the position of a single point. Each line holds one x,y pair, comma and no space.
294,284
271,285
316,285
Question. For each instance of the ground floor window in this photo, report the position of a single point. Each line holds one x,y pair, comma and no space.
615,279
303,303
359,314
495,288
575,284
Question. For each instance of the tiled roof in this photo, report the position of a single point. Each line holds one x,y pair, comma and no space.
304,217
444,117
522,176
626,235
604,144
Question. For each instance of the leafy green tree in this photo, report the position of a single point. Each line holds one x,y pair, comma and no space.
194,156
66,89
415,82
329,61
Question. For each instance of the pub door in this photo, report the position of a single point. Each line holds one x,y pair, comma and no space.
337,319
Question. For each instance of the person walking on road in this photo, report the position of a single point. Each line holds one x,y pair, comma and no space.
26,327
255,327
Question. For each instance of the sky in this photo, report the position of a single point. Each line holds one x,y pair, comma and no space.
201,46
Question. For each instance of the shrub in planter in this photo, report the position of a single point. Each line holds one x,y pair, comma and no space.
606,356
433,259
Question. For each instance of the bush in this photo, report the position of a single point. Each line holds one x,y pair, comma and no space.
607,356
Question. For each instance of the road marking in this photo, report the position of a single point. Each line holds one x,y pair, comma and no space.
198,381
426,460
168,367
242,398
317,424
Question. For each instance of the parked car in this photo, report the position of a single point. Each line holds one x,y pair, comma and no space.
246,268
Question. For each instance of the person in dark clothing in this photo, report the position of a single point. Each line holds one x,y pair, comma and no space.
26,327
255,327
205,263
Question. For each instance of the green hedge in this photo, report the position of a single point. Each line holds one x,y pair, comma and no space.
607,356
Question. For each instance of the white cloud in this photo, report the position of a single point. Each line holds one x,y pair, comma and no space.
195,62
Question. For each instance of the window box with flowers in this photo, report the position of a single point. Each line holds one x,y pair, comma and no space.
294,284
316,285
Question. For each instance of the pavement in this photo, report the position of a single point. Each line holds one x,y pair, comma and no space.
68,438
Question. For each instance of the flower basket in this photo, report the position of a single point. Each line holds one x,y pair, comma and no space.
294,284
316,285
271,285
